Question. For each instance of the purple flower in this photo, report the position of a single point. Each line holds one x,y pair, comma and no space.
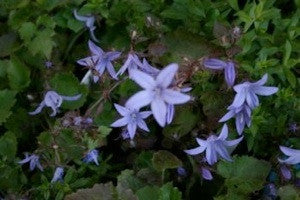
147,68
286,173
215,146
170,113
125,135
181,171
89,23
156,92
100,60
54,101
228,67
247,92
293,127
59,172
206,174
293,154
34,161
132,118
48,64
132,62
270,191
92,156
242,116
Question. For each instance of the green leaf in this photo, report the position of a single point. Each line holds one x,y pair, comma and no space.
240,178
168,192
287,52
234,4
68,85
3,67
290,77
127,179
18,75
8,145
7,101
289,192
27,31
7,44
148,193
163,160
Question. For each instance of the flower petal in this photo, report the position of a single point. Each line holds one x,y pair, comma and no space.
170,113
289,151
195,151
262,81
145,114
252,99
112,55
265,90
239,99
142,124
240,123
166,76
131,127
111,70
206,174
159,110
140,99
174,97
143,79
224,132
38,109
230,74
211,155
71,98
213,63
120,122
222,151
233,142
227,116
95,50
122,110
201,142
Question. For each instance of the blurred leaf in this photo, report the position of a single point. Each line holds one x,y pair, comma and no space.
163,160
7,44
8,145
7,101
289,192
18,75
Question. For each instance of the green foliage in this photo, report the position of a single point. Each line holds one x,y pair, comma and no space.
163,160
18,75
7,101
288,192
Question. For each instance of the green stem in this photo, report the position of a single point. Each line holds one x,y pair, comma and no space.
71,44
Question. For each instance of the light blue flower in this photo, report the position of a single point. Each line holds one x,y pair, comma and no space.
206,174
59,172
92,156
247,92
131,118
132,62
89,23
100,60
34,161
215,146
293,154
156,92
242,116
53,100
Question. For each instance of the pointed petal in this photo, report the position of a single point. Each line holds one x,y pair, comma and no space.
120,122
113,55
166,76
233,142
122,110
264,90
140,99
290,161
71,98
230,74
213,63
206,174
201,142
240,123
131,127
95,50
92,34
262,81
79,17
286,173
289,151
224,132
145,114
170,113
111,70
142,124
143,79
223,152
195,151
38,109
252,99
174,97
100,67
239,99
159,110
211,155
227,116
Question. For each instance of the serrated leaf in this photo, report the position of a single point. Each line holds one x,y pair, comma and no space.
27,31
8,145
163,160
127,179
168,192
7,101
240,177
68,85
18,75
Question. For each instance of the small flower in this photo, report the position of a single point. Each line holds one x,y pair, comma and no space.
293,127
181,171
132,118
270,191
215,146
156,92
247,92
293,154
89,23
228,68
100,60
48,64
206,174
34,161
286,173
132,62
53,100
92,156
242,116
147,68
59,172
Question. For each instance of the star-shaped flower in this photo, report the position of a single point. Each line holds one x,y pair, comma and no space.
215,146
228,68
59,172
89,23
248,92
34,161
53,100
242,116
132,62
156,92
92,156
100,60
132,118
293,154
